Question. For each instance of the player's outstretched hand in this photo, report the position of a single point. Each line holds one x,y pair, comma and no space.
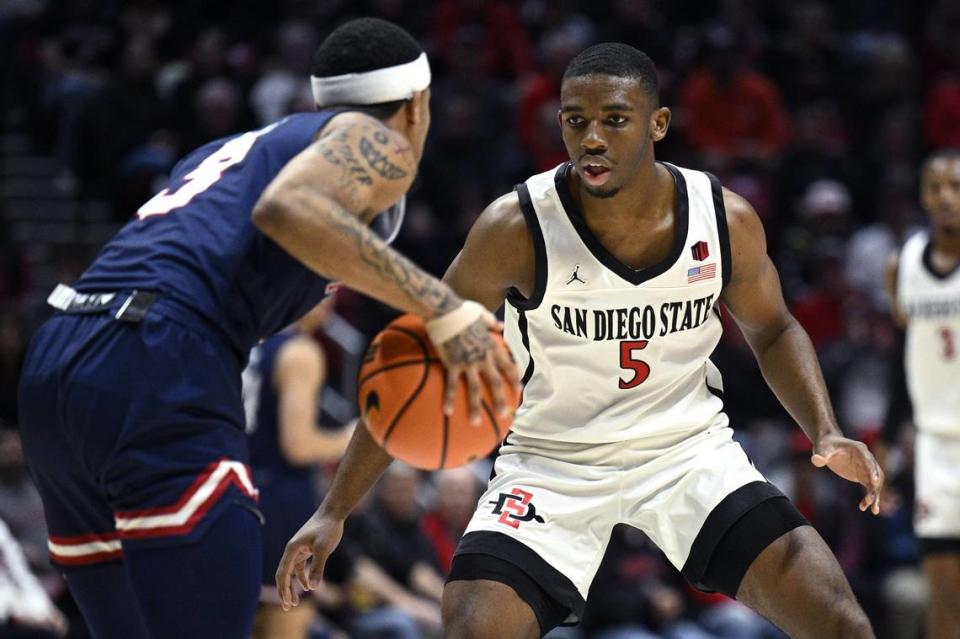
470,353
853,461
317,539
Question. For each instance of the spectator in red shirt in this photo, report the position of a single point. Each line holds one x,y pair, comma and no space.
457,492
941,118
732,114
506,53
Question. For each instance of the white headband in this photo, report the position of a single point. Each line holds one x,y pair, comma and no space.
399,82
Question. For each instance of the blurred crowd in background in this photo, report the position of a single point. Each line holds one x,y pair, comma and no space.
819,113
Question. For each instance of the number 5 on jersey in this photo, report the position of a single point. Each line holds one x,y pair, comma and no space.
641,370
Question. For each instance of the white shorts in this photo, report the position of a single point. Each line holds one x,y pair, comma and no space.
561,501
937,473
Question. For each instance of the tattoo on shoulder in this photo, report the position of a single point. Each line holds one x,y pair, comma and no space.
378,161
339,153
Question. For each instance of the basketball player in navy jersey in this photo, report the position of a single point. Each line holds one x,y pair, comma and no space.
923,280
130,400
622,416
281,394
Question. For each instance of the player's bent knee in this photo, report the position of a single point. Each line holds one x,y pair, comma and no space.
466,610
483,609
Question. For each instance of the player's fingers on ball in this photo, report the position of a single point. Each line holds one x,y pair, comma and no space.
492,376
473,394
450,390
506,365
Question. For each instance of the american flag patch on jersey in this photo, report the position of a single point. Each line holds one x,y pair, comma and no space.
698,273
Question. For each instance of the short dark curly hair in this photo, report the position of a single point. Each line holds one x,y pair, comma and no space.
365,44
619,60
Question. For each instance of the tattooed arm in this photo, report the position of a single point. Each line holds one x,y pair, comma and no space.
318,209
319,205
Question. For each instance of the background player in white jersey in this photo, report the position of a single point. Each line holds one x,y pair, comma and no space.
620,422
924,281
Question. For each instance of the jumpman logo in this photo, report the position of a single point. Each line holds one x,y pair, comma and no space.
576,276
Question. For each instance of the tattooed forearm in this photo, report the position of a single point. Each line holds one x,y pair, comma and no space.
379,162
419,286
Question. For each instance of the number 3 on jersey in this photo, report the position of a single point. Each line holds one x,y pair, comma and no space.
204,176
641,370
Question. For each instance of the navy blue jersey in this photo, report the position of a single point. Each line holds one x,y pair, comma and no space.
195,241
261,405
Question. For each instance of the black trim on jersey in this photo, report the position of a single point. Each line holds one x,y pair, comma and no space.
723,234
927,260
634,276
496,455
560,591
514,296
745,540
525,339
715,391
939,545
718,522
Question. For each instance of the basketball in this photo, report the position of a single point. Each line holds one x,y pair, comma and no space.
400,394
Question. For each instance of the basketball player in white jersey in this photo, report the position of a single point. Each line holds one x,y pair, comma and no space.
612,267
924,282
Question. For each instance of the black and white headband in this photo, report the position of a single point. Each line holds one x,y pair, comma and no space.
388,84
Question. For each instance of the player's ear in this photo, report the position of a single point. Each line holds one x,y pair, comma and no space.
418,107
659,123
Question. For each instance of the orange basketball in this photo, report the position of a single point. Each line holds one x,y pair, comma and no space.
400,393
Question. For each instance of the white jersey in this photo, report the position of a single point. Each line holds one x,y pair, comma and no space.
610,353
931,304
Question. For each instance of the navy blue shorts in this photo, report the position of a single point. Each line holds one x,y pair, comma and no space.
133,431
